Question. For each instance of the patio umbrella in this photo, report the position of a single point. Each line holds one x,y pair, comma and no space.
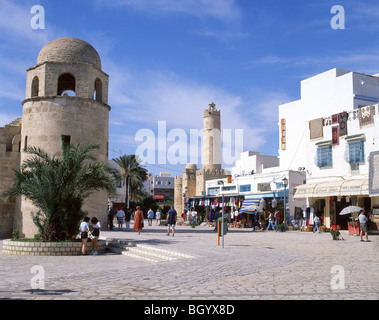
251,208
351,210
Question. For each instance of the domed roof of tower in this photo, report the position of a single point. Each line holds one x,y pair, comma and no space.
69,50
191,166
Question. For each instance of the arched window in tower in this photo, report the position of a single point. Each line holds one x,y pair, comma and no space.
35,87
66,85
98,94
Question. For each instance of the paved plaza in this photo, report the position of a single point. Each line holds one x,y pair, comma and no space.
265,265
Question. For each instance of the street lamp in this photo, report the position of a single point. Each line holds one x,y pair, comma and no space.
185,200
221,182
285,184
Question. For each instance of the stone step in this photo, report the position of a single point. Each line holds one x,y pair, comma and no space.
163,251
139,257
151,253
143,252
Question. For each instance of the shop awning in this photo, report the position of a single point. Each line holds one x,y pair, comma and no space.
337,188
354,187
249,202
326,189
304,190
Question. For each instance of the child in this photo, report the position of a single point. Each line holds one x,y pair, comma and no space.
95,234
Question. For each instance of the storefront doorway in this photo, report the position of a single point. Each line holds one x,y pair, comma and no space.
344,219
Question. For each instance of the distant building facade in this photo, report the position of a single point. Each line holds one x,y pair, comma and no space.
161,187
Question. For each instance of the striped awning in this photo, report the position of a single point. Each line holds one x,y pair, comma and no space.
249,202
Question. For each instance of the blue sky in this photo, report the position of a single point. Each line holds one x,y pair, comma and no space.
168,59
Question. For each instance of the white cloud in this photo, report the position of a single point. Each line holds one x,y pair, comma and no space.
15,24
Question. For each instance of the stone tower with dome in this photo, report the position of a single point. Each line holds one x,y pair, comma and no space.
66,96
193,178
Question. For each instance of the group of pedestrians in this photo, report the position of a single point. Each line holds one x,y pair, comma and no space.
121,216
150,217
138,218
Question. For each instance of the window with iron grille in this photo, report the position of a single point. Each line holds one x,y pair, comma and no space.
356,151
324,156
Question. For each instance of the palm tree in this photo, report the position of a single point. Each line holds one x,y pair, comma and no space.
133,174
58,186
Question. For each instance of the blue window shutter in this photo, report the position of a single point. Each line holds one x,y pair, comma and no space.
329,159
324,156
319,157
356,151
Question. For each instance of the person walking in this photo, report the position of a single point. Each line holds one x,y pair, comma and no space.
256,221
316,221
236,215
158,217
277,218
84,229
216,216
363,226
193,217
120,218
171,220
210,216
271,221
150,217
128,216
138,220
111,214
95,235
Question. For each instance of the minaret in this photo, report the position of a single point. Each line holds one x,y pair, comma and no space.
66,95
211,151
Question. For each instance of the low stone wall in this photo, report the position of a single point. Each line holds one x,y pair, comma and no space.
25,248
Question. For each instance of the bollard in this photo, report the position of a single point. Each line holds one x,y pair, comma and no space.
218,233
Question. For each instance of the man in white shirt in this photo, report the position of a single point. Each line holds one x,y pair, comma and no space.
150,216
193,215
363,225
120,218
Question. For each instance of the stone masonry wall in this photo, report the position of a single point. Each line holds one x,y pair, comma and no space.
9,160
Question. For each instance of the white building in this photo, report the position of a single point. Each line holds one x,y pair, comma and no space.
267,185
323,95
330,133
256,177
253,161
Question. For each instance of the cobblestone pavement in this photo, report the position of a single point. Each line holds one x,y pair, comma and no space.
252,266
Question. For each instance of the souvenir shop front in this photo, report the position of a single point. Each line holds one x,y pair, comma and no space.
204,204
269,202
328,199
